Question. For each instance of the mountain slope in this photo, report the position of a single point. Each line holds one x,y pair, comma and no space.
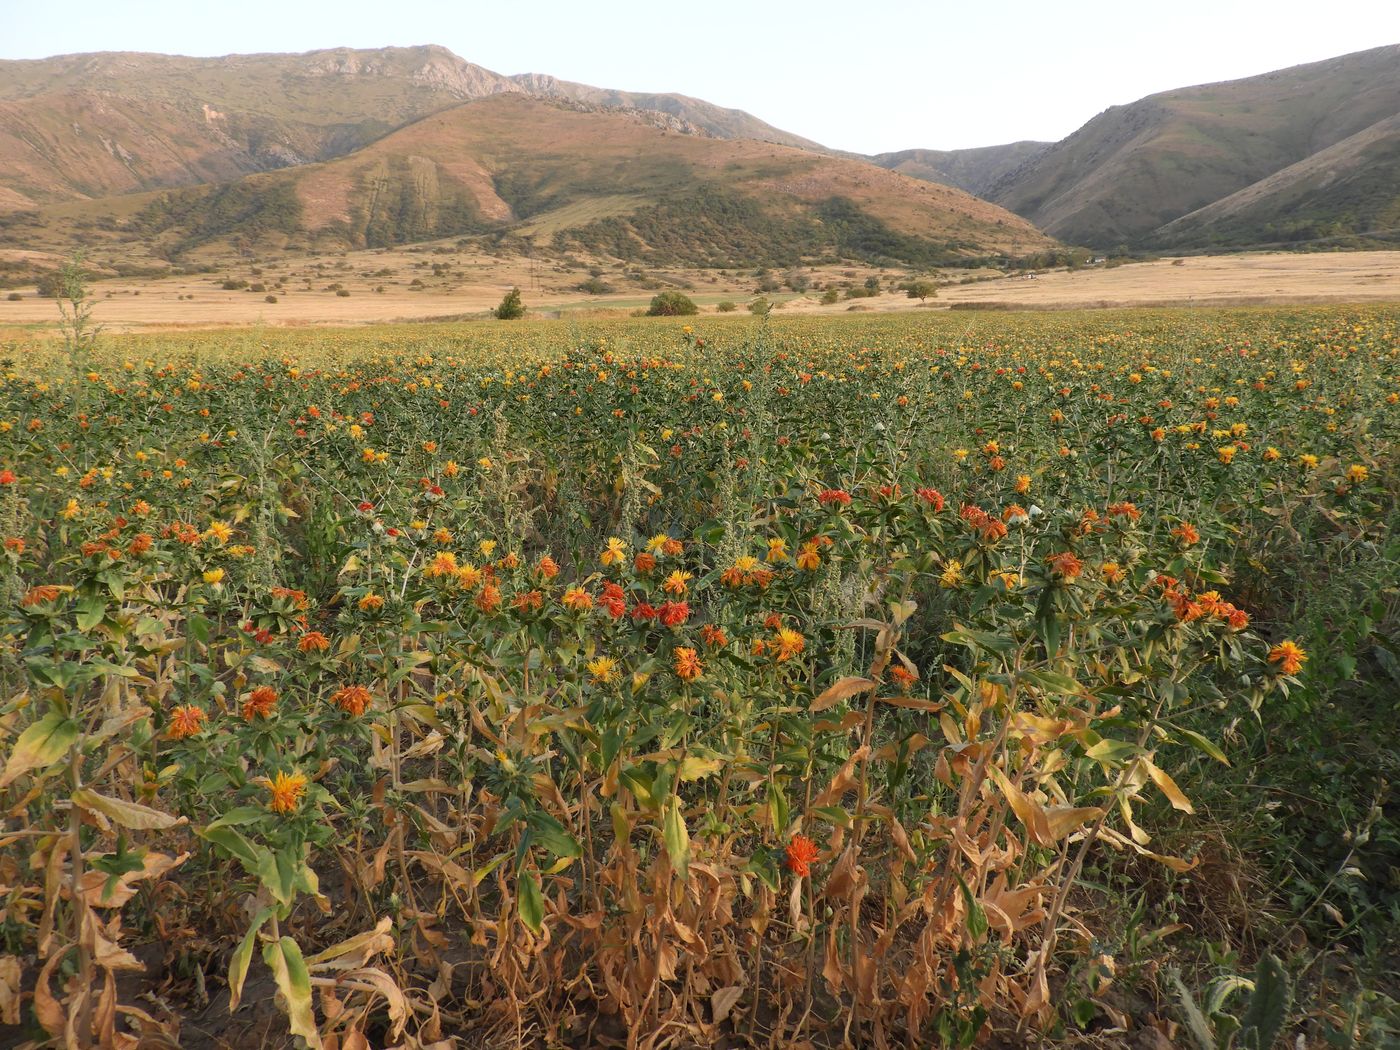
973,170
85,126
716,120
1135,168
574,177
1349,189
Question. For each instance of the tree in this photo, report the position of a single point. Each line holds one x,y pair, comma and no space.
671,304
921,290
760,307
511,307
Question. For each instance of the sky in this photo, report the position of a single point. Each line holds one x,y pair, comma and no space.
870,77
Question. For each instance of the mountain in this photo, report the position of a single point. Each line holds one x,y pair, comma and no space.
527,172
973,170
78,127
1298,155
1348,191
1133,169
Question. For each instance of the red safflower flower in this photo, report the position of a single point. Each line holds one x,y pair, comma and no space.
834,497
673,614
800,854
7,477
613,601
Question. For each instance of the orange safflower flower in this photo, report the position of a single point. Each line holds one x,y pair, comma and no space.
808,558
1187,534
688,666
1065,565
799,855
577,599
44,592
444,563
286,790
314,642
1289,656
353,699
787,643
186,720
714,636
677,582
260,703
489,600
644,562
547,567
371,602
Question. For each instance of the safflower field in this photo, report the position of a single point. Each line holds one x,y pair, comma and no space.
927,680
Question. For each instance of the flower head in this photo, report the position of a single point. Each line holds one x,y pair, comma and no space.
1289,656
286,790
186,720
799,855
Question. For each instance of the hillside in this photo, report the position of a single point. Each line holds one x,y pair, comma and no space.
570,176
1349,190
973,170
1135,168
78,127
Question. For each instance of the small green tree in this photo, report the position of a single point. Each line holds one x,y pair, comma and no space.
921,290
830,296
760,307
671,304
511,307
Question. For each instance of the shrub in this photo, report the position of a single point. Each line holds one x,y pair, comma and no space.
234,285
14,297
269,298
830,296
920,289
511,307
760,307
726,307
344,293
595,286
671,304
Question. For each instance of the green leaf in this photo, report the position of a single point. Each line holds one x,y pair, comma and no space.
39,746
676,836
284,959
1204,745
236,846
1268,1006
1111,752
242,957
529,901
553,836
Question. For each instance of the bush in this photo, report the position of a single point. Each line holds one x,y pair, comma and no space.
671,304
269,298
511,307
726,307
830,296
233,285
595,286
14,297
760,307
344,293
259,287
921,289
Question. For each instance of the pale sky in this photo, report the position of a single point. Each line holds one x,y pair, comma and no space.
871,77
